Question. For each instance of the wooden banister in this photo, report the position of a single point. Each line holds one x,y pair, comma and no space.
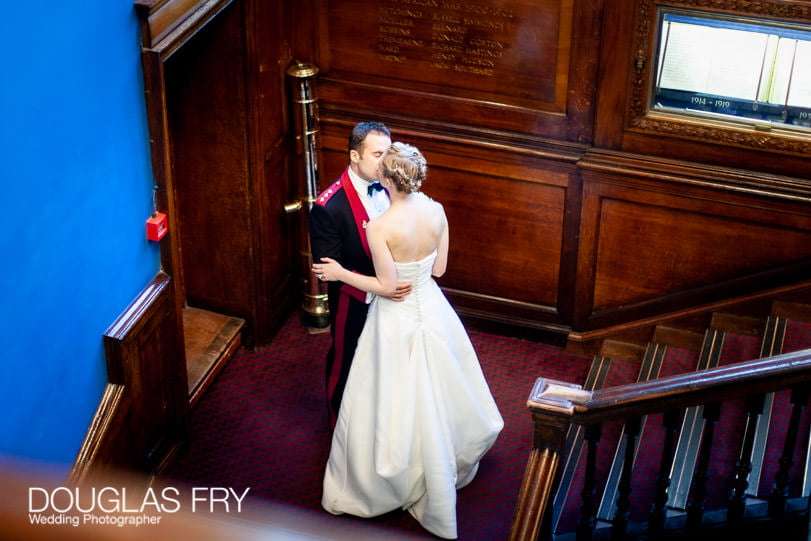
695,388
556,405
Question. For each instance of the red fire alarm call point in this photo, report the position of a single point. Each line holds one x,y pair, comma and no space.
156,226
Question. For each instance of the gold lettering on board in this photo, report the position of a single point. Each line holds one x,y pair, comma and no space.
450,35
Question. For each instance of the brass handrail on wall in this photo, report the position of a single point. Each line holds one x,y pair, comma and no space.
304,98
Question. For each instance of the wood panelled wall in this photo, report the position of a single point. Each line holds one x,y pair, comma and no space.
658,236
571,207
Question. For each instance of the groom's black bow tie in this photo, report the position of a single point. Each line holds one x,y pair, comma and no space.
374,187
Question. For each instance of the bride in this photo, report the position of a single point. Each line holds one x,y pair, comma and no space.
417,415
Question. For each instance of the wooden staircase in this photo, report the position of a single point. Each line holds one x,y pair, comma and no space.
685,428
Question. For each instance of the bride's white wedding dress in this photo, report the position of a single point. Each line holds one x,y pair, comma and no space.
417,414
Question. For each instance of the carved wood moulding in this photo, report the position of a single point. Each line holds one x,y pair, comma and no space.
633,169
641,119
167,24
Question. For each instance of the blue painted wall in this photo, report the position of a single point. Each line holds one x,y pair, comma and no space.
76,190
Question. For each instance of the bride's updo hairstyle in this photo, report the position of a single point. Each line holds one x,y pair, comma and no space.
405,166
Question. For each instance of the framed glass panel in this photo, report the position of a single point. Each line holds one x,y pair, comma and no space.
742,70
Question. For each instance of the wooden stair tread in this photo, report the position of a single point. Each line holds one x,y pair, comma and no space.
210,340
798,311
738,324
678,337
628,351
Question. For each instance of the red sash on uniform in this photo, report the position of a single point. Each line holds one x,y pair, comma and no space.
347,291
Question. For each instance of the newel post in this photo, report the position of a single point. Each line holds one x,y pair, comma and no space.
551,404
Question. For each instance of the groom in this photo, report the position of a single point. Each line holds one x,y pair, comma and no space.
338,221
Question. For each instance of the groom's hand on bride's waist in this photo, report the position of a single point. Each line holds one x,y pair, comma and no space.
403,289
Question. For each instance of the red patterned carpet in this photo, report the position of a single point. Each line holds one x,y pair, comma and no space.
263,425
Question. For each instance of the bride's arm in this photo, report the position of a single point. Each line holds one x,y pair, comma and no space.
383,284
441,261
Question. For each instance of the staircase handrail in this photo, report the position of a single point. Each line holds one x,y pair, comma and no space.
719,384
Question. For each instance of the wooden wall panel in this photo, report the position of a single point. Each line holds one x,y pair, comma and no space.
275,241
277,244
511,228
465,48
681,249
649,244
208,121
521,66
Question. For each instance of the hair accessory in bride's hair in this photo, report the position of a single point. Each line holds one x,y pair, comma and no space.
405,166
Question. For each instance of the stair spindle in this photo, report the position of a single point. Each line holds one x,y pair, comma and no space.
695,509
588,509
779,494
656,520
743,466
620,523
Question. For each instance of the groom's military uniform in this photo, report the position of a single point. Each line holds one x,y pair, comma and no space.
338,230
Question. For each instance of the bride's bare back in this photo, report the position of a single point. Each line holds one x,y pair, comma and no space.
413,230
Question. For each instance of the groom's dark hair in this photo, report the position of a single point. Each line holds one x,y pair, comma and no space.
362,129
